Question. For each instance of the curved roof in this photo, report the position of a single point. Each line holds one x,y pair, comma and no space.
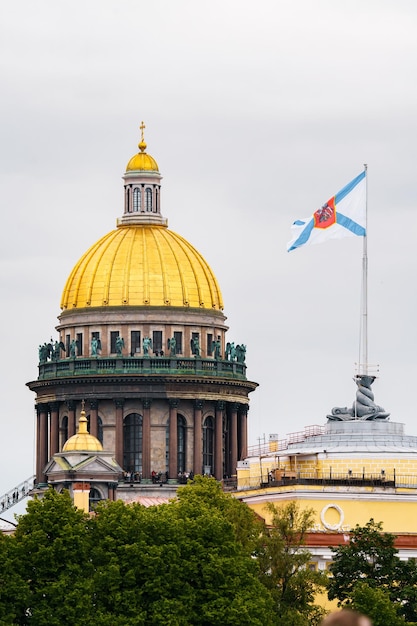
142,265
82,441
142,162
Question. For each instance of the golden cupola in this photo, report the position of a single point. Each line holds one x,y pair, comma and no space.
82,441
142,263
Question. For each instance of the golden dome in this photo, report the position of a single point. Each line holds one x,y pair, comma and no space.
142,162
142,265
82,441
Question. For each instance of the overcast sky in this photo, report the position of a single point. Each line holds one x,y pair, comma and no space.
256,113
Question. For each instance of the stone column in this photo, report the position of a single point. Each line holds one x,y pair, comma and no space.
146,439
119,403
94,418
71,418
218,441
243,431
41,442
173,439
54,428
198,437
233,438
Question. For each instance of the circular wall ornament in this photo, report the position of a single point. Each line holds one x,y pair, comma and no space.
323,515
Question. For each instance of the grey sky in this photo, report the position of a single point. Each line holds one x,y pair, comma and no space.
256,113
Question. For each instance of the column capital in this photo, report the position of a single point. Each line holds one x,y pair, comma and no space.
243,408
54,406
173,403
119,402
198,404
234,406
71,404
94,405
42,408
146,403
219,405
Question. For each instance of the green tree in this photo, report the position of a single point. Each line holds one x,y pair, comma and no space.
284,561
376,604
247,526
371,557
189,562
180,563
45,575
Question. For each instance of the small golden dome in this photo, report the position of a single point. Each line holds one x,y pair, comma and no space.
142,161
142,265
82,441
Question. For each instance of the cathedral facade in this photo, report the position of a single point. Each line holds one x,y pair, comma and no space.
142,351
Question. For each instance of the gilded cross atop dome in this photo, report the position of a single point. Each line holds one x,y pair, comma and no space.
142,162
142,143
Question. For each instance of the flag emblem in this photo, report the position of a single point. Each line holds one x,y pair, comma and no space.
326,216
343,215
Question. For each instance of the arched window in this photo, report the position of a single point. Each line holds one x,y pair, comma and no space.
208,445
127,200
64,430
137,199
94,498
99,428
132,442
148,199
181,443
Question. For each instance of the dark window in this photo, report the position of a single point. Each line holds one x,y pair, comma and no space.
99,428
94,498
132,443
181,443
137,199
127,199
79,344
67,344
157,341
64,430
156,210
134,342
208,445
148,199
113,336
209,344
178,342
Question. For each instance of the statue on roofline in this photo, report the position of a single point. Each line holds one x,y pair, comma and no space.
364,407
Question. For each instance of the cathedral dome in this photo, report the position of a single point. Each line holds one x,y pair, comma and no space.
82,441
142,265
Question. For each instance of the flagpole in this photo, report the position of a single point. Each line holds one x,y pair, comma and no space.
364,356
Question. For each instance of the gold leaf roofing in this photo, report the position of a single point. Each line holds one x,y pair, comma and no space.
82,441
141,265
142,162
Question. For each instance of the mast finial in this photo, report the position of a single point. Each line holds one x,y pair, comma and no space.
142,144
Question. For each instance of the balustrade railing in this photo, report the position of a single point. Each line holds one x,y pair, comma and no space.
146,365
283,477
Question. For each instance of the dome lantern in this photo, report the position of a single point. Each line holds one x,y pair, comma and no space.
142,189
